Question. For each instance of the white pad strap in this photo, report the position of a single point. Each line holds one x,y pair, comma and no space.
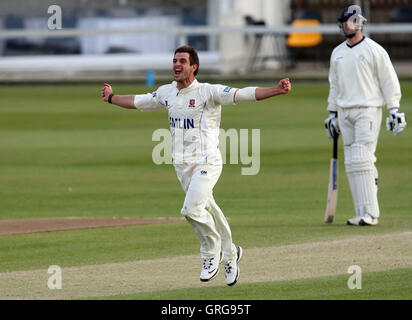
361,159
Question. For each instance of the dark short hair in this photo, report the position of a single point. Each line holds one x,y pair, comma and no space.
193,57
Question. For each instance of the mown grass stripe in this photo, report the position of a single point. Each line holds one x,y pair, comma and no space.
289,262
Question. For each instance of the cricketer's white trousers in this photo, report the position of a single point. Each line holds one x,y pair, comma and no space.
360,131
201,210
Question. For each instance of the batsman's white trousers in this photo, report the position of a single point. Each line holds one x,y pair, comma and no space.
201,210
360,131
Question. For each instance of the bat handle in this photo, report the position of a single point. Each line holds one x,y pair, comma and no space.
335,147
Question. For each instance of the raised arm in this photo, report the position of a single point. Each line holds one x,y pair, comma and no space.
124,101
283,87
258,93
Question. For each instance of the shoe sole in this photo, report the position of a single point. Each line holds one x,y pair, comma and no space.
239,257
239,253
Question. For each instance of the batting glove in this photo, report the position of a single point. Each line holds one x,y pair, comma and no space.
331,125
396,122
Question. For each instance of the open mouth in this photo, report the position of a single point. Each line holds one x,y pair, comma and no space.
178,72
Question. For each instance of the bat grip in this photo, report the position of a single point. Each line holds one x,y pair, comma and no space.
335,147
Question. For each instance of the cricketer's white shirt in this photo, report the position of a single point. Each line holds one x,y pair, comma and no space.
194,117
362,76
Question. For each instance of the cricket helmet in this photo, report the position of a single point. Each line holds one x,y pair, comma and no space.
352,13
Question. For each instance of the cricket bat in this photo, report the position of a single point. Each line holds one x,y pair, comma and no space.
333,184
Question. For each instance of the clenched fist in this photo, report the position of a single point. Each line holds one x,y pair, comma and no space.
284,86
106,91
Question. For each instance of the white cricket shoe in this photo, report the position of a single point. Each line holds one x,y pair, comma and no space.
368,220
210,268
354,221
232,268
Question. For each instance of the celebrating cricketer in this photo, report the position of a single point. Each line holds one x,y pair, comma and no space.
194,111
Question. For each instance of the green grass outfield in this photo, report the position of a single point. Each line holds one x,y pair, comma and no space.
64,153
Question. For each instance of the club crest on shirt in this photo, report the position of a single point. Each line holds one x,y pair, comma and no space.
192,103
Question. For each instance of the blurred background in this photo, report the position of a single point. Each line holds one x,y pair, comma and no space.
124,39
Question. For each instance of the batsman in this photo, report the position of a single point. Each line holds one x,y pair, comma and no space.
362,82
194,112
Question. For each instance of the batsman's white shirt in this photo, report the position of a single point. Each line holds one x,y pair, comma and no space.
362,76
194,117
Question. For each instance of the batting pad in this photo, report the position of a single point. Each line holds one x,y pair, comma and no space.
362,175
